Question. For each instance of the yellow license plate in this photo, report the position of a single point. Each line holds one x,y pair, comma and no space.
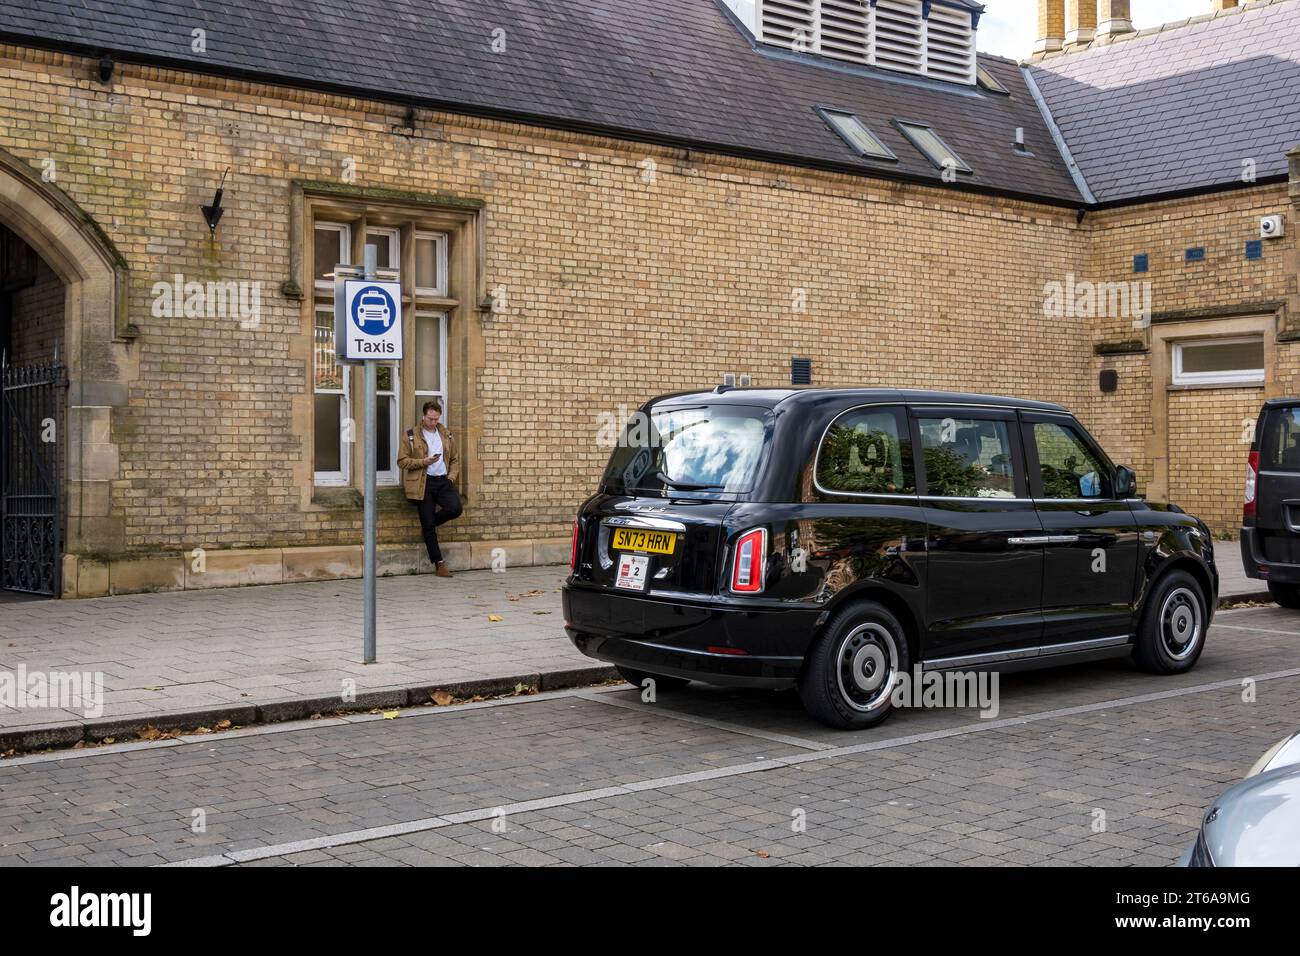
637,539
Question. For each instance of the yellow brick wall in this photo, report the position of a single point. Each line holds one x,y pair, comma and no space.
628,271
1203,427
617,287
38,319
1221,224
1207,453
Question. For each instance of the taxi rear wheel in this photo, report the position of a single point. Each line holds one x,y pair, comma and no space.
853,666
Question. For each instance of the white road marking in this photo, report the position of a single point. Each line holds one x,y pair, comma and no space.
658,783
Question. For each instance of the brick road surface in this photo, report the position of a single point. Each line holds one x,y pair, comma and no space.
701,776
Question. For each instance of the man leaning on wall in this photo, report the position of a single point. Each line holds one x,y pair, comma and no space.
430,469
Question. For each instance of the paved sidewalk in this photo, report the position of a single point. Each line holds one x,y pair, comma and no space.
1233,582
266,647
283,651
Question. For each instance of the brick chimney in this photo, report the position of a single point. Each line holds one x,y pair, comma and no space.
1113,18
1051,26
1080,21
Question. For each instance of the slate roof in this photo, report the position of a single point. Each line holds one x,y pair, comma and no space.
669,71
1181,106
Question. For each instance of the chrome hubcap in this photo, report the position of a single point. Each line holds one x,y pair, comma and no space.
1180,623
867,666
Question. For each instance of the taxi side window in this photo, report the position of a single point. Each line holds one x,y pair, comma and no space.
1067,467
967,457
867,451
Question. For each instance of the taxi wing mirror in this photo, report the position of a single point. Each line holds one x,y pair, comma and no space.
1125,482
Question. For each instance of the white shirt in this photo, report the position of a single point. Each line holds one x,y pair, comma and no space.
433,441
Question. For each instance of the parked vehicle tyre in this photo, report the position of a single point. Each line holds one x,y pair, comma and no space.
638,678
1172,632
1286,595
853,666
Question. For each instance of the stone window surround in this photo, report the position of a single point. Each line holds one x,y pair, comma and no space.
463,220
1164,333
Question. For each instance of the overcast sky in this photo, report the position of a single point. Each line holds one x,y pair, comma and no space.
1007,27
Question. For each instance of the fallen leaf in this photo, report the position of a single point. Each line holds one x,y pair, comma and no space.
494,617
223,725
441,698
391,714
541,612
108,740
202,730
762,854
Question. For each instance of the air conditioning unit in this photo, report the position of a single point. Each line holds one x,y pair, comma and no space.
1271,227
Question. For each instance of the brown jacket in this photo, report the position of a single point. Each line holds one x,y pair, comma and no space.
412,452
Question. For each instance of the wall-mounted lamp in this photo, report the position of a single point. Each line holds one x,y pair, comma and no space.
212,214
106,66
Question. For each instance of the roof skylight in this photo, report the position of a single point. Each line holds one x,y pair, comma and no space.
854,132
935,149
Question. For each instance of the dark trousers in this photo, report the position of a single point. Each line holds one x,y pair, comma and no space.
441,503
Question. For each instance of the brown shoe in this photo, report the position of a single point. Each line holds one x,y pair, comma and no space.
442,570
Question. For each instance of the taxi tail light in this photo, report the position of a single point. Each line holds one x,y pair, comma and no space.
573,550
750,558
1252,482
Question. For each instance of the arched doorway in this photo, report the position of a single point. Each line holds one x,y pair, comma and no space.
31,419
67,361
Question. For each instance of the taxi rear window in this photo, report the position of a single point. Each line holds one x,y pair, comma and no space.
708,449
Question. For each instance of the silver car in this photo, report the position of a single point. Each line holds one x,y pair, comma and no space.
1256,822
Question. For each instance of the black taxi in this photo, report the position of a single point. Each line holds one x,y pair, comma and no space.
830,539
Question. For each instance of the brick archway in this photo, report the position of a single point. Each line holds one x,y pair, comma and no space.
97,350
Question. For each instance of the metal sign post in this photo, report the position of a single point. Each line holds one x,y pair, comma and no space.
368,329
368,650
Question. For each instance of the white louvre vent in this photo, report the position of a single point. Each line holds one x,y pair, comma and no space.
846,30
900,35
911,36
790,23
950,45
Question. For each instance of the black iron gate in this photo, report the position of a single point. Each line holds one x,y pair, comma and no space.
31,436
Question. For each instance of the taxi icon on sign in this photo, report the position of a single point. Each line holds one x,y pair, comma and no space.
372,309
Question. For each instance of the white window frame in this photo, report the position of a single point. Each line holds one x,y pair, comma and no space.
441,394
326,286
394,235
1245,376
440,263
343,476
392,475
